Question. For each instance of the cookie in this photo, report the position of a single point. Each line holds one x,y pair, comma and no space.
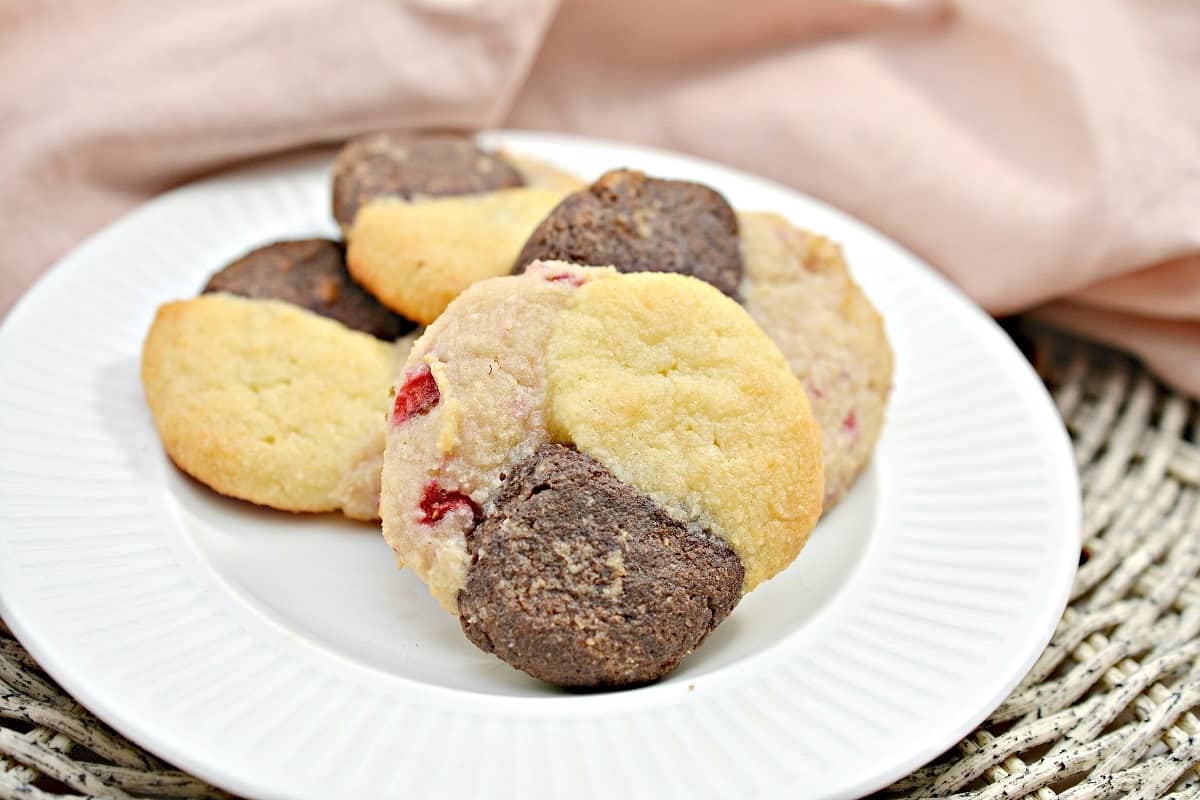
641,224
312,274
794,283
405,165
426,216
267,402
798,288
630,432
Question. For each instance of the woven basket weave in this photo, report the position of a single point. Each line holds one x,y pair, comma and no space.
1106,712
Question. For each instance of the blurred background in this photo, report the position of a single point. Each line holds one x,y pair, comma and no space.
1045,156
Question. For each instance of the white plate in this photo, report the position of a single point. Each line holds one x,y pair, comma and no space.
282,656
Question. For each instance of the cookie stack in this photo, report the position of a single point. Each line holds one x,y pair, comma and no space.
629,407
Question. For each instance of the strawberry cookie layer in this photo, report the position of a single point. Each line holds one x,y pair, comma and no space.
797,286
687,469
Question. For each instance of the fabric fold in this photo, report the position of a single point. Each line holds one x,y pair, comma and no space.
1042,155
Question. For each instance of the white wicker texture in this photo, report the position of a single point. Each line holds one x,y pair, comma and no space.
1106,712
51,747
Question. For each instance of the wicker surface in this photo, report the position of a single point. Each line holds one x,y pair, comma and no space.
1106,712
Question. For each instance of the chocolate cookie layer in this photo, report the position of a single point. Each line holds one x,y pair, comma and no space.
407,165
310,273
580,580
640,224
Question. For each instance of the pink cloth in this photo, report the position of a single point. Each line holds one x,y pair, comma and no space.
1044,155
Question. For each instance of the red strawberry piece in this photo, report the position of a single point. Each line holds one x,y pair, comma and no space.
436,503
564,277
418,394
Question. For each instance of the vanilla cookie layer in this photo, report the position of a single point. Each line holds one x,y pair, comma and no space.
416,256
266,402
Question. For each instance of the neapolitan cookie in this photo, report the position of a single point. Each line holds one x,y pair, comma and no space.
794,283
589,468
426,216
